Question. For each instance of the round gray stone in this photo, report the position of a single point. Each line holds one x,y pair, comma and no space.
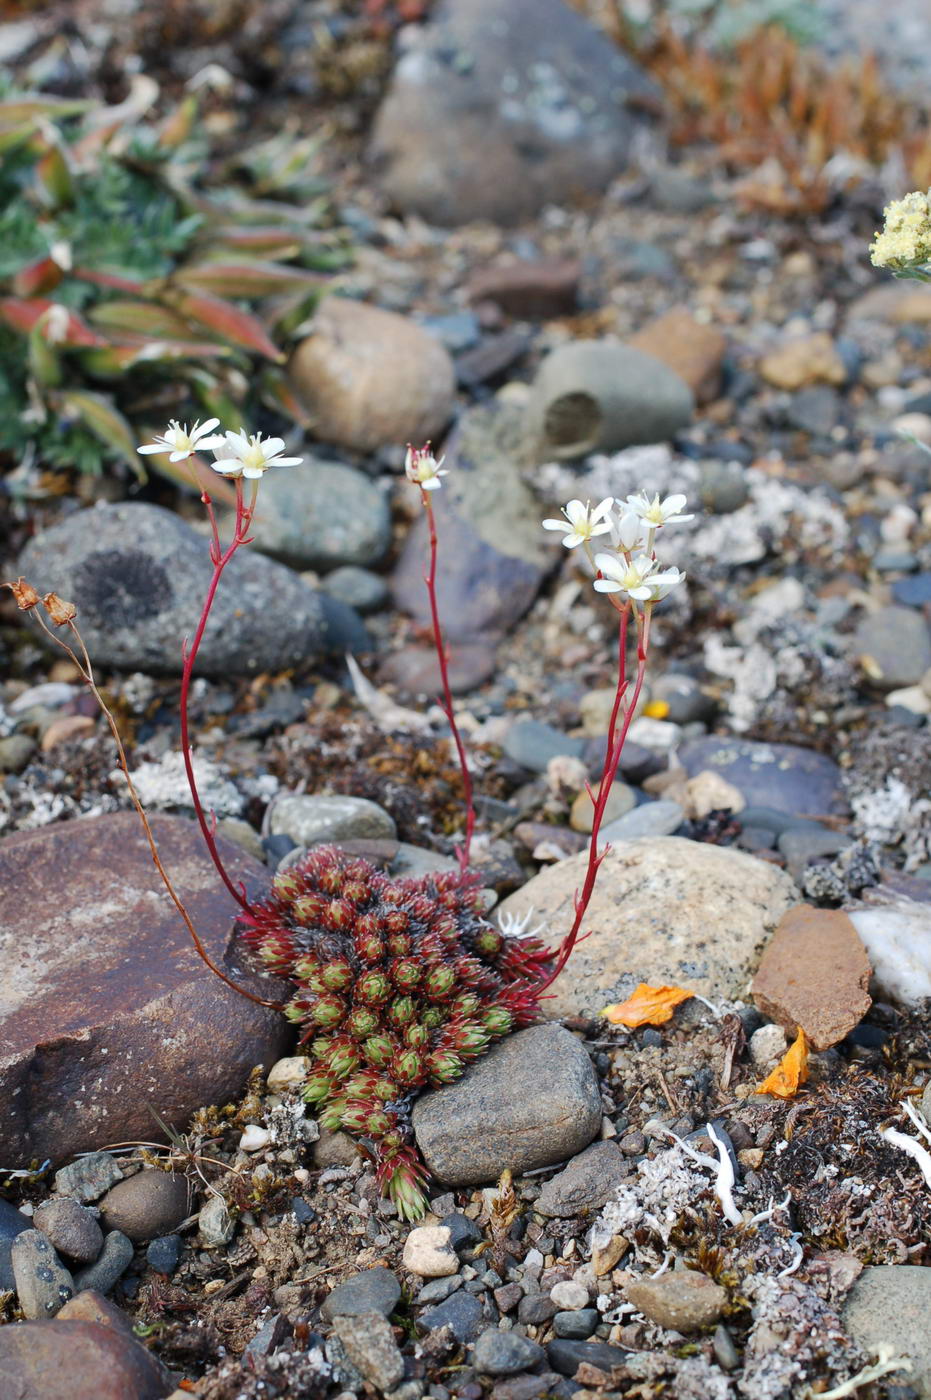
321,514
505,1353
894,645
139,574
531,1101
145,1205
660,818
375,1290
308,819
357,588
72,1229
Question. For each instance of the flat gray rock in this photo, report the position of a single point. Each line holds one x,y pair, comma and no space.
785,777
586,1183
321,514
891,1303
531,1101
138,575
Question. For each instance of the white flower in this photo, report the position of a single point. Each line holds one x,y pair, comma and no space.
641,578
627,532
655,513
180,443
249,455
581,522
423,469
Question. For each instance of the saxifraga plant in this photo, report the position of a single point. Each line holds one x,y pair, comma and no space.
132,289
399,984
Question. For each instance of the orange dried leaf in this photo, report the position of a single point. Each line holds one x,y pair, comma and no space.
790,1073
647,1006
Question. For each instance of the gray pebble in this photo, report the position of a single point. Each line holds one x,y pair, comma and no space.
439,1289
88,1178
164,1253
12,1223
375,1290
802,847
357,588
577,1326
725,1353
71,1227
462,1231
587,1182
145,1205
536,1308
462,1313
897,643
369,1344
306,818
532,744
660,818
115,1258
215,1225
567,1356
43,1284
505,1353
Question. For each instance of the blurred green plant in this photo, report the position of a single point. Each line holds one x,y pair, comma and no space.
142,277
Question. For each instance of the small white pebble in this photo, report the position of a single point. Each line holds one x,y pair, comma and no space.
428,1252
767,1045
533,1263
254,1138
569,1296
288,1073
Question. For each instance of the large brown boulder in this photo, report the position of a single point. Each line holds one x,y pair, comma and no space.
77,1361
108,1012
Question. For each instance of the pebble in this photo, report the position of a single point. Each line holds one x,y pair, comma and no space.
463,1232
88,1178
138,573
664,909
72,1229
357,588
15,752
681,1299
621,800
600,396
889,1305
500,1353
115,1258
801,847
508,1296
536,1309
164,1253
692,349
706,792
145,1205
438,1289
537,289
567,1356
374,1291
370,1345
814,974
323,514
786,777
660,818
767,1045
894,647
532,1100
287,1074
462,1313
897,937
415,671
214,1223
914,591
682,693
804,360
12,1223
576,1325
429,1252
725,1353
585,1184
372,378
307,819
569,1295
532,744
43,1284
254,1138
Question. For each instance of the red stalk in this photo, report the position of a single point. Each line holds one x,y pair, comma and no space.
219,561
463,851
609,770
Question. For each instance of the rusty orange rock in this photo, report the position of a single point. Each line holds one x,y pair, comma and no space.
814,975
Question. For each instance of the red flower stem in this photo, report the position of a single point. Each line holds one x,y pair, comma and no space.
612,759
621,672
219,561
447,702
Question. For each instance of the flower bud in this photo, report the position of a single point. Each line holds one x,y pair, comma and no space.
343,1058
58,610
417,1036
286,885
328,1011
317,1086
331,878
405,973
308,910
497,1020
399,945
331,1116
356,891
432,1017
465,1005
489,942
367,1119
339,915
337,975
408,1068
24,593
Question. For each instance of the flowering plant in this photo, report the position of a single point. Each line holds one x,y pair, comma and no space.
397,984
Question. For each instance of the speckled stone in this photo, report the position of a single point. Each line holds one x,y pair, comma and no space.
782,776
43,1284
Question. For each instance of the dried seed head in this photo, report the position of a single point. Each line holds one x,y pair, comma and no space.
24,593
58,610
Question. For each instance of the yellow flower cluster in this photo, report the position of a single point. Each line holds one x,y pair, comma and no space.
905,241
